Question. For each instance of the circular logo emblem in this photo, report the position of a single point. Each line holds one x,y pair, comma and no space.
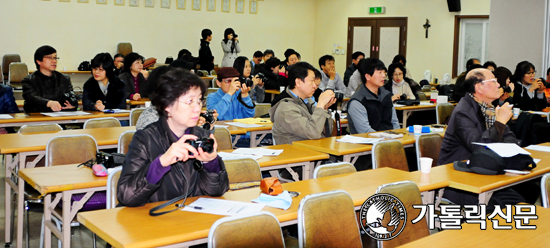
383,216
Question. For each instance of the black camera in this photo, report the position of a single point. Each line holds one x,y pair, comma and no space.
72,98
247,81
109,160
207,144
507,89
235,36
208,119
339,96
403,97
262,77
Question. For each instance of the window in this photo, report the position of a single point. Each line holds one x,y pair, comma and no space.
471,41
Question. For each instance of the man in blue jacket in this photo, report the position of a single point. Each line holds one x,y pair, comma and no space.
231,100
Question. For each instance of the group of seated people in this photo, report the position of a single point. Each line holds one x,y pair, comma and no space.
161,166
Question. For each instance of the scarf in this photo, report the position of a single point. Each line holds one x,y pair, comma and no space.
488,111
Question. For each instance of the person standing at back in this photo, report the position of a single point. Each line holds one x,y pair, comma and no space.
230,47
206,60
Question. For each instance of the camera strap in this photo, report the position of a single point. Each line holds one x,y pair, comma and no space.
338,125
153,211
240,98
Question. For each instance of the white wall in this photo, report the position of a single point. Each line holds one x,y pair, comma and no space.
79,31
434,54
516,33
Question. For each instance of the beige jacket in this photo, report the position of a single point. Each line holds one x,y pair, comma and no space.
293,121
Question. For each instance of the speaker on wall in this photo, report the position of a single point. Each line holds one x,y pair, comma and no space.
454,5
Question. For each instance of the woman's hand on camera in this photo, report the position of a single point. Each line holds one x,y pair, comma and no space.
244,90
257,81
207,157
179,151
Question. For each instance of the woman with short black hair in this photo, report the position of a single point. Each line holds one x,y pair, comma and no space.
528,92
134,77
103,90
160,165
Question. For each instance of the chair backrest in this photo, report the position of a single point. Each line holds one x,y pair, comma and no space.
443,112
124,48
333,169
211,90
409,194
124,140
223,137
545,188
112,183
389,153
213,73
261,229
134,115
328,220
34,128
422,96
243,173
18,71
262,109
70,149
102,122
428,145
6,61
204,72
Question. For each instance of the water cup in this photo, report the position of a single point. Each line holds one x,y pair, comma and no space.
516,112
148,104
417,129
282,88
442,99
425,164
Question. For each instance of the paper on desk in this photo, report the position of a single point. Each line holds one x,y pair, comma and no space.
67,113
398,105
426,103
282,201
220,126
386,135
253,120
6,116
359,140
230,156
539,148
505,150
238,124
117,111
223,207
258,151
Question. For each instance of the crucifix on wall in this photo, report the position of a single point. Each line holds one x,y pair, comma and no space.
426,26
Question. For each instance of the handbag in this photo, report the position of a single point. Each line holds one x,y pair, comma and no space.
271,186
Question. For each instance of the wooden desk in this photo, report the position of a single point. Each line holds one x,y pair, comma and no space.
349,151
273,93
141,102
254,131
21,104
62,181
485,185
17,147
471,235
71,72
37,118
407,110
292,156
133,227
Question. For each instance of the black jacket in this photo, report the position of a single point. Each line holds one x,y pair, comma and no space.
205,56
274,82
146,146
38,89
524,102
349,71
115,98
128,80
467,125
379,108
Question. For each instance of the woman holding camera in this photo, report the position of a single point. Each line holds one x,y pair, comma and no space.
103,90
230,47
242,65
528,92
161,163
398,84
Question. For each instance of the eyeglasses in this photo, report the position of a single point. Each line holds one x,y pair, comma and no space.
490,80
229,80
398,74
531,73
51,57
193,103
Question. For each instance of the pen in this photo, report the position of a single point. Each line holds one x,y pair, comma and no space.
193,207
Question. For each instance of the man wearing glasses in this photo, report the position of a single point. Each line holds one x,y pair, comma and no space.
475,119
44,90
231,101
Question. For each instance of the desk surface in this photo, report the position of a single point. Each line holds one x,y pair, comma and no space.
291,154
124,227
471,235
16,142
331,146
419,106
265,126
477,183
37,117
273,92
61,177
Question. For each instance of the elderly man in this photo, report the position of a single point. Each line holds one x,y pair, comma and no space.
476,120
231,100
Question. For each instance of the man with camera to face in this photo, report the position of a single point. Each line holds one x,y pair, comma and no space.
47,90
370,109
298,116
231,100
